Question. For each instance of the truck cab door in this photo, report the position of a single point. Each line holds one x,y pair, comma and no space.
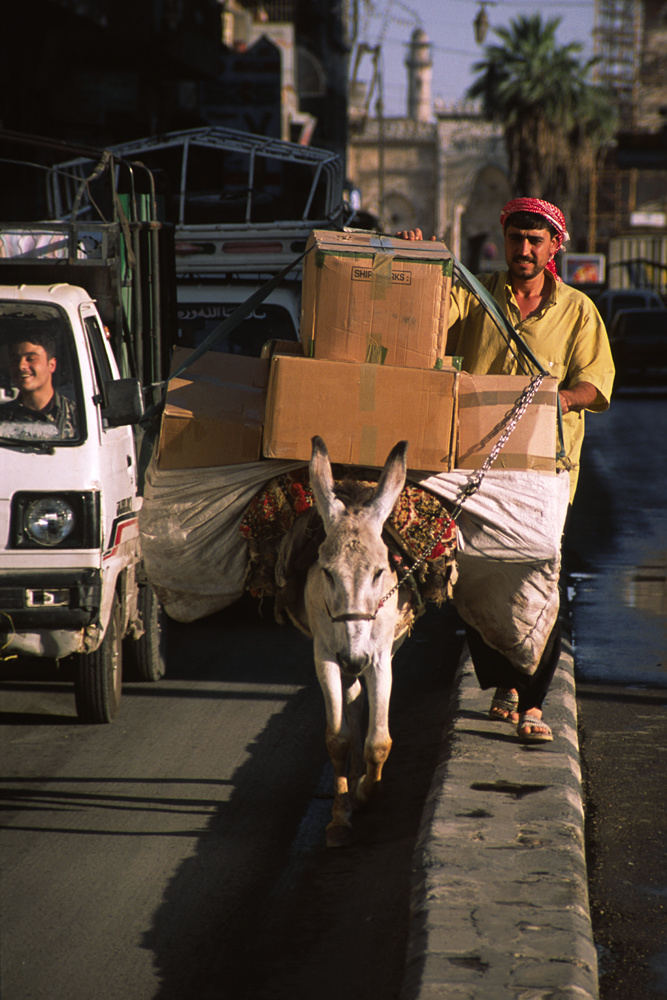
118,465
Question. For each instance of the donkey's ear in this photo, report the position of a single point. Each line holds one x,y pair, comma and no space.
322,483
391,482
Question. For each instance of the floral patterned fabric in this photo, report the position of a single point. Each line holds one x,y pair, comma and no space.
419,526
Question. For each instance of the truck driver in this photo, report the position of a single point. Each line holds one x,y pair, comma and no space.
32,363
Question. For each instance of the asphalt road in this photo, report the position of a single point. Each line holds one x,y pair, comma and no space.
617,557
180,851
135,854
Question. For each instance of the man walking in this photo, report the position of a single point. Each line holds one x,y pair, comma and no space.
564,331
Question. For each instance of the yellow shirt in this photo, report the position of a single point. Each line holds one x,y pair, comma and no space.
567,336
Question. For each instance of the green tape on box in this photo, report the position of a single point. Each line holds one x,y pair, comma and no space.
368,445
381,275
504,397
367,388
456,363
376,354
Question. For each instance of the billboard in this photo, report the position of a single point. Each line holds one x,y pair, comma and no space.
583,268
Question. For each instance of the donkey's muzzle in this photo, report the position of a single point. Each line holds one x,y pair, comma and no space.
353,666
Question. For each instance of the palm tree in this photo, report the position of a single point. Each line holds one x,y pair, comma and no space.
554,118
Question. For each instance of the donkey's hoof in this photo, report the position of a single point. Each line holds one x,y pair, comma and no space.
365,791
339,835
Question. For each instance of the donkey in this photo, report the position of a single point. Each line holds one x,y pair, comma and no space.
352,607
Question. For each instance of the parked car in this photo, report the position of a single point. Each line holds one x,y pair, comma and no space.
613,300
638,339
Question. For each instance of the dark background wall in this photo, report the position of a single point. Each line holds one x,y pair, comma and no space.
86,74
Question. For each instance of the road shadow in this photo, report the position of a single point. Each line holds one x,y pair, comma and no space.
37,679
228,927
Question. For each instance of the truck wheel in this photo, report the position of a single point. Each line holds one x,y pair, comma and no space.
98,676
146,657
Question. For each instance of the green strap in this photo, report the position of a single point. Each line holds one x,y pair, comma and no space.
507,331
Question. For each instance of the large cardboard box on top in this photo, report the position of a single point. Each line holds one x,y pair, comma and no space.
484,402
214,412
360,411
373,299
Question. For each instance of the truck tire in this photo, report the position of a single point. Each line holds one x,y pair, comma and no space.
98,675
146,657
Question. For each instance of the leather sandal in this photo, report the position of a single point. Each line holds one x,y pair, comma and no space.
539,730
503,701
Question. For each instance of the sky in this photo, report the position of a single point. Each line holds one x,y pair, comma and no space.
449,26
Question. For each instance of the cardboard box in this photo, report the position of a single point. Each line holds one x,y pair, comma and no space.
360,411
214,412
373,299
484,401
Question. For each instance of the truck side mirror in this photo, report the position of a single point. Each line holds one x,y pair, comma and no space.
123,402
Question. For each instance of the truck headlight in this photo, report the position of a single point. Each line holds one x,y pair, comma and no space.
49,521
55,520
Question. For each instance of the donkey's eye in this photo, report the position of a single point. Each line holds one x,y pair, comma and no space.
329,575
377,575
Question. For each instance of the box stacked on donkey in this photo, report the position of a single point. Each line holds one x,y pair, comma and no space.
361,411
485,402
373,299
214,412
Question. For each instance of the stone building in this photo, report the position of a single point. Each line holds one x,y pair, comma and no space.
443,169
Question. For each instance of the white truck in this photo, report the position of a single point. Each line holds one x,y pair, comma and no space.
242,207
84,314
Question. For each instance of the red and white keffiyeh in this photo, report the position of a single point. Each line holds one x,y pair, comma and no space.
551,213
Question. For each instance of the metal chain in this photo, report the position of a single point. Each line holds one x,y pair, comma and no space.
474,481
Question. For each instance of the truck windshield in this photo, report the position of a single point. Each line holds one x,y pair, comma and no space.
38,375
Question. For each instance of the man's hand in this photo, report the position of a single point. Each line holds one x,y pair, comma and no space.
578,397
412,234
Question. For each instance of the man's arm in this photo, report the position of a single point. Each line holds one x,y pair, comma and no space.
578,397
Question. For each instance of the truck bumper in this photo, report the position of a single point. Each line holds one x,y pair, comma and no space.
53,644
45,613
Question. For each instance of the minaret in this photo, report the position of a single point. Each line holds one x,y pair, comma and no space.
420,70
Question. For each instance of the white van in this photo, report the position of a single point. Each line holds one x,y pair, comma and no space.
84,348
70,565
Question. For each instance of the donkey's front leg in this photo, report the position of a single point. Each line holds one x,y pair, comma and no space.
339,830
355,703
378,740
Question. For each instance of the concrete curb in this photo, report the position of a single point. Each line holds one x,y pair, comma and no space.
500,895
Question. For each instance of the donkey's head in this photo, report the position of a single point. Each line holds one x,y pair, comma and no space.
355,575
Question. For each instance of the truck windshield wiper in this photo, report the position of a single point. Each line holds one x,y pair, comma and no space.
20,444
